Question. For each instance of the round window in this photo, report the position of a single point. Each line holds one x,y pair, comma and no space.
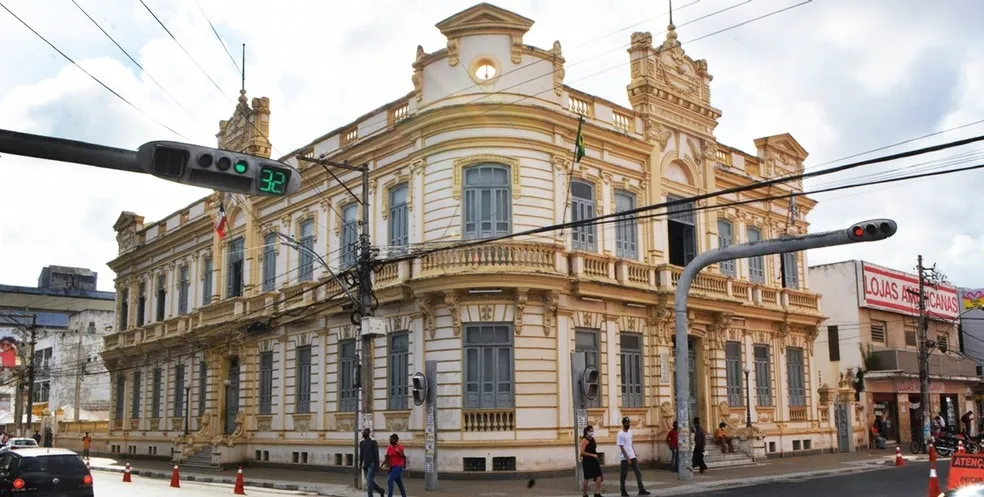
485,72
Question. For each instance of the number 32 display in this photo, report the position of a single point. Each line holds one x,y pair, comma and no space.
273,180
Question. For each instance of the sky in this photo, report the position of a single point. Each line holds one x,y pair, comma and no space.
844,77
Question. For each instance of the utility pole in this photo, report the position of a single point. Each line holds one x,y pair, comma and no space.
923,352
867,231
363,304
78,377
30,370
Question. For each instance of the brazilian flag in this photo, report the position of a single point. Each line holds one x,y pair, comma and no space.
579,141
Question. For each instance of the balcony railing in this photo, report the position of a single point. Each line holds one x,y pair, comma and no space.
797,414
493,258
488,420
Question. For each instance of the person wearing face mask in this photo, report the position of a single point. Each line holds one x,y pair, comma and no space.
590,462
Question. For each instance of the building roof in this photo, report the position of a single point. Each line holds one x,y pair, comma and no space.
59,292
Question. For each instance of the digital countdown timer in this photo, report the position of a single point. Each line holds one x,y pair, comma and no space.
273,179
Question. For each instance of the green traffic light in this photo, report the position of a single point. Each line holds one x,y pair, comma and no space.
241,166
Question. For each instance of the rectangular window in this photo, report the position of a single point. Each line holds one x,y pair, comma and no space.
305,270
202,386
207,281
234,277
487,201
302,380
763,376
733,368
488,366
756,265
120,393
399,219
878,331
626,230
155,403
184,284
179,391
266,382
682,232
125,309
348,390
142,304
135,400
269,262
583,208
790,271
631,354
910,333
726,238
399,371
161,296
796,373
833,343
350,236
587,341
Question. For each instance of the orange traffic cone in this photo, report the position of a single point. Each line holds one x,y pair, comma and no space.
240,485
934,482
126,473
175,478
932,453
898,456
960,447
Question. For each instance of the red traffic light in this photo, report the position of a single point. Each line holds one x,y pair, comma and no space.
858,231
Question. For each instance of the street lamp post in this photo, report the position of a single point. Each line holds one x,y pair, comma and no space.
748,400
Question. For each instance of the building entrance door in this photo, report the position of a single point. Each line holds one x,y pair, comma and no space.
843,422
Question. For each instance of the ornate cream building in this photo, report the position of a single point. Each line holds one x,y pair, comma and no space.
250,339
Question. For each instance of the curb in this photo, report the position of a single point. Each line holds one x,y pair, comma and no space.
161,475
689,489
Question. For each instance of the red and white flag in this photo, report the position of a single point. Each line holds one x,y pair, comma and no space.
220,222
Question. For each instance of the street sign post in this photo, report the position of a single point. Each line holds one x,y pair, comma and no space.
868,231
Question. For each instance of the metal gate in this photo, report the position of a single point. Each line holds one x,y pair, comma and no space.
843,421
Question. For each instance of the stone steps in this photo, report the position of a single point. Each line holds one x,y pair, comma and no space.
717,459
201,459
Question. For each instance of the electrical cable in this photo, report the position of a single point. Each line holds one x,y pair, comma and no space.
87,73
239,70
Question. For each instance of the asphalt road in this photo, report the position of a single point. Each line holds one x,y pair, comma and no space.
111,485
911,480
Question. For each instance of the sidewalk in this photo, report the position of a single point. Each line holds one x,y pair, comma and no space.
659,482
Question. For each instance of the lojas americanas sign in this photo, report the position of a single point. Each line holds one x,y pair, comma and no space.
895,291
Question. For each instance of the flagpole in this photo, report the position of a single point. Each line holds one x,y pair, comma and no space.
578,154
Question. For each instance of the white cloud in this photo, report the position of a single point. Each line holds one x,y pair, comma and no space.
840,77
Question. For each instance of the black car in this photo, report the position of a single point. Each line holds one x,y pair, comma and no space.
44,472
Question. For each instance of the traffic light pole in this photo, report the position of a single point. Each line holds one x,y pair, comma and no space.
72,151
365,303
861,232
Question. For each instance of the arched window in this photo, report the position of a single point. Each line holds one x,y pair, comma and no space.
582,208
487,209
399,219
350,235
726,237
269,262
626,231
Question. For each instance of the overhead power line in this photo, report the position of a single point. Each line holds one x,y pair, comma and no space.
87,73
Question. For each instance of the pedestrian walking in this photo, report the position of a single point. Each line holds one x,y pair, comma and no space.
673,442
968,421
627,458
37,437
396,459
700,444
86,445
369,456
49,438
590,464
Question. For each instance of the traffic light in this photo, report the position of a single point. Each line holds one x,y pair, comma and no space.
418,387
873,230
218,169
590,382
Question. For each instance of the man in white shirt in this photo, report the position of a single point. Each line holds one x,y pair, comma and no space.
627,457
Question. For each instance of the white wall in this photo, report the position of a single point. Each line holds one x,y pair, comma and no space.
838,285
